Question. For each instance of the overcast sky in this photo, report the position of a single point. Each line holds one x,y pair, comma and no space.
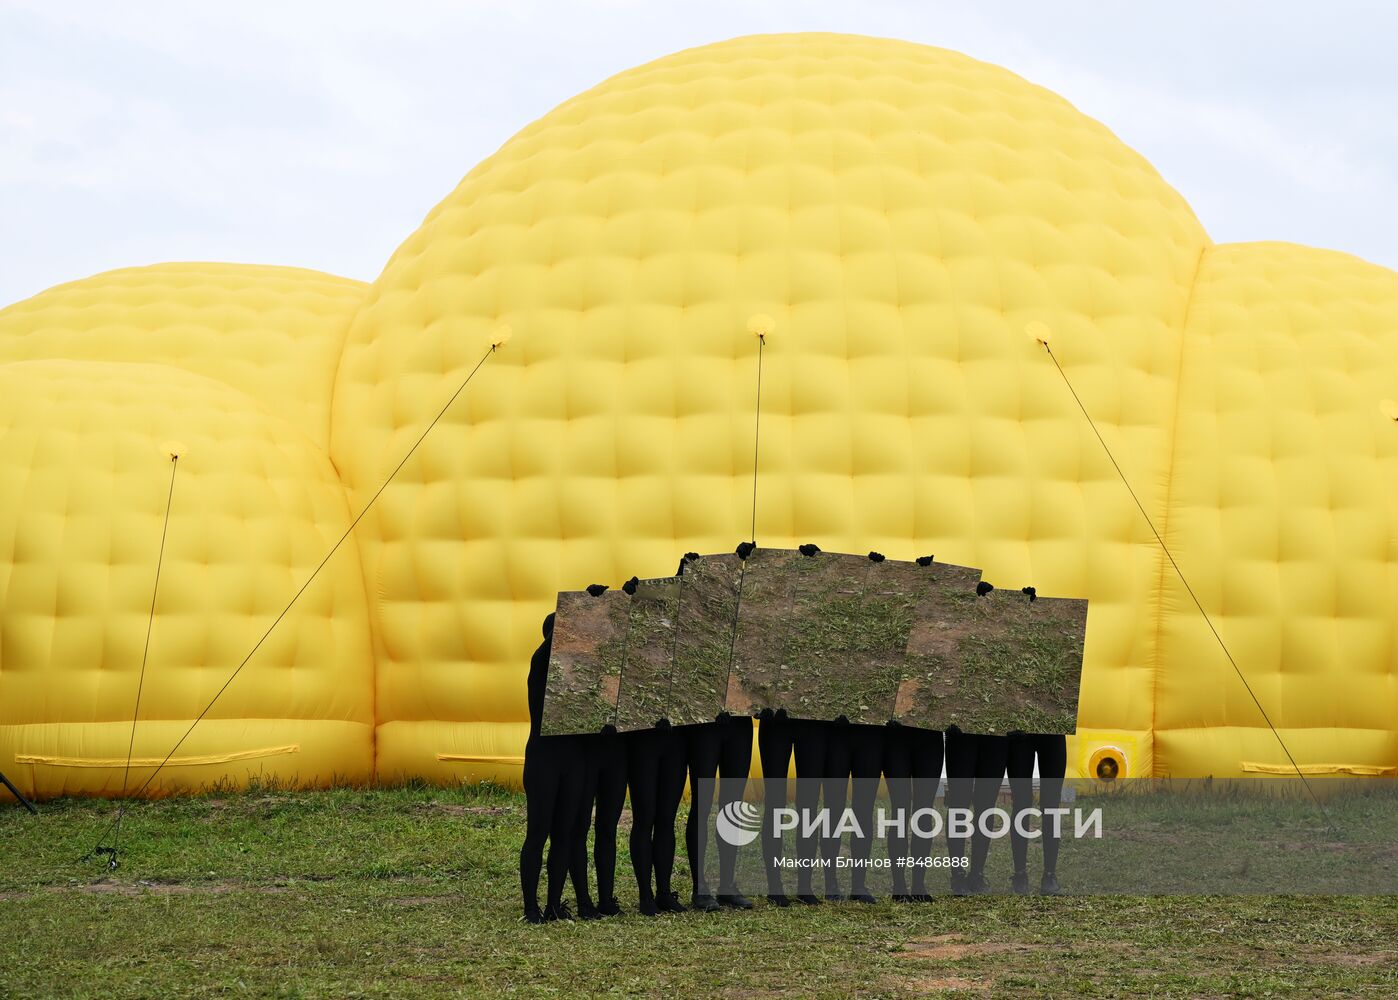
319,134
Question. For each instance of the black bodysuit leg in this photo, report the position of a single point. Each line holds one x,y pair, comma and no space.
866,751
927,775
610,795
811,740
1020,766
541,785
835,793
898,776
734,768
961,775
990,775
702,745
1052,753
643,779
673,767
1052,750
774,746
572,774
582,822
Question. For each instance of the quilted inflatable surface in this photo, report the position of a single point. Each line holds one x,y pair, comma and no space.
902,214
1280,510
237,368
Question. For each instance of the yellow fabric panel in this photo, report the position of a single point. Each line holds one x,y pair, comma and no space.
1358,770
1247,748
273,332
83,486
901,212
1281,514
481,751
39,757
179,760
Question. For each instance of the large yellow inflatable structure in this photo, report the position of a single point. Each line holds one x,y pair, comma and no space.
902,213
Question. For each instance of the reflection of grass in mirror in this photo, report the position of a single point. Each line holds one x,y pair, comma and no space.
585,668
590,703
701,675
819,654
1020,666
708,602
764,616
646,680
1007,684
884,624
845,659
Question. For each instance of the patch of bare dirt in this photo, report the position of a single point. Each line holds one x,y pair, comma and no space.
952,948
906,698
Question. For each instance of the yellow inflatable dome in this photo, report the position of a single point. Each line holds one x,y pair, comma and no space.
235,364
902,213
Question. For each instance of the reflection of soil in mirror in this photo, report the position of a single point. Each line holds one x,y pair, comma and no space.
708,604
826,600
645,677
589,644
943,594
880,641
764,617
1021,664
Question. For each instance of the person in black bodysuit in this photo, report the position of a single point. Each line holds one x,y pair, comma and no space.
604,785
774,746
912,770
722,748
1052,752
656,762
553,777
822,772
975,772
867,745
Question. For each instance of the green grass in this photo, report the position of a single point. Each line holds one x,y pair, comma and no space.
414,892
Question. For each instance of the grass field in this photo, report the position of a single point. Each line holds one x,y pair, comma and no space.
414,892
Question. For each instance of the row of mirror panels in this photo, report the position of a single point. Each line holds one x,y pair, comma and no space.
821,636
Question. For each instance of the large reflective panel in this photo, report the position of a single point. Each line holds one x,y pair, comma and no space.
589,648
1021,664
760,675
646,676
821,636
879,643
942,596
708,607
827,596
